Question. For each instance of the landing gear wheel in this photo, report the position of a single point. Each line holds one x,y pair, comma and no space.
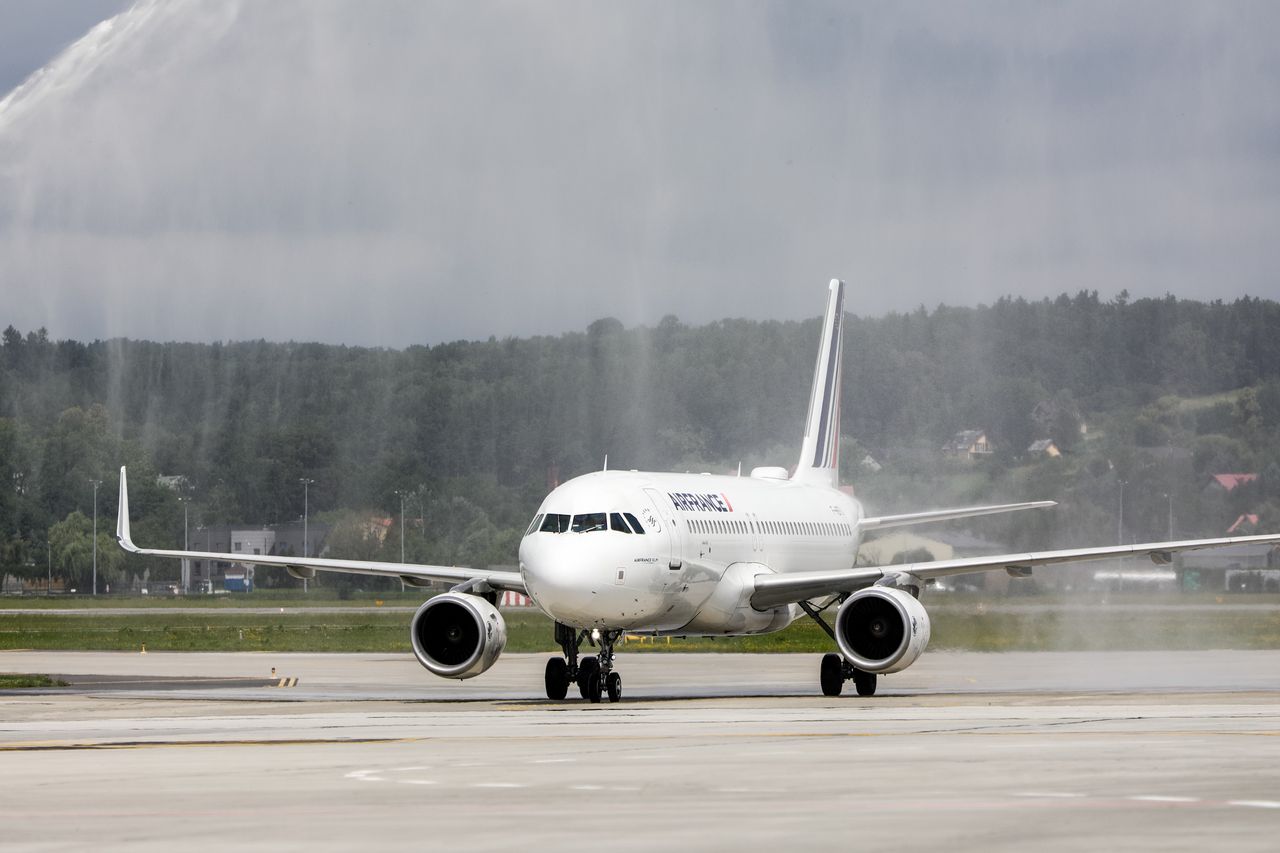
865,682
557,678
832,675
593,688
586,668
613,684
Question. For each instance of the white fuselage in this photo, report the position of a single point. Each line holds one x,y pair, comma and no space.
704,537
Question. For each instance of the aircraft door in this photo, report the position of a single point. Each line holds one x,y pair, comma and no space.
665,519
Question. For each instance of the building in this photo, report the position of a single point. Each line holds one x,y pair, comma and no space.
1225,483
1235,568
883,550
1244,525
174,482
1044,447
968,444
245,541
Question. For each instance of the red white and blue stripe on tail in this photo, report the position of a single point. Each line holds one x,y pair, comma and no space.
820,453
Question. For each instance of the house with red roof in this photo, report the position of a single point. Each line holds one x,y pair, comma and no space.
1246,523
1229,482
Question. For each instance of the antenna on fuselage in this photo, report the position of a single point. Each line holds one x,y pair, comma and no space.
606,463
739,467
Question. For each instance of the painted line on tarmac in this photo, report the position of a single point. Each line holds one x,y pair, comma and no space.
1154,799
64,745
55,746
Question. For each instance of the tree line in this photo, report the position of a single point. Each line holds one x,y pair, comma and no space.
476,431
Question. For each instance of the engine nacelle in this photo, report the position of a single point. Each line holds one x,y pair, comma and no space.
881,629
456,635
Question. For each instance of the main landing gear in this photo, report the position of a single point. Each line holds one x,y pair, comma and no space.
594,674
836,671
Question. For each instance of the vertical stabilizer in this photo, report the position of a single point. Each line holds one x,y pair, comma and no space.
820,452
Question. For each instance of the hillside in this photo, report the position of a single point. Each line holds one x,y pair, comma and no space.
1170,391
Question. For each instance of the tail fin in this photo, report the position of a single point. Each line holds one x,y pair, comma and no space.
820,452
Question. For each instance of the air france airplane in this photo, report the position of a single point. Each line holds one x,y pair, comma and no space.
616,552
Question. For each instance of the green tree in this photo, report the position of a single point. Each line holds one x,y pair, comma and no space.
72,542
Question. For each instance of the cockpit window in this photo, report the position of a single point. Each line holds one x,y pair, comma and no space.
535,524
589,522
618,523
635,525
554,522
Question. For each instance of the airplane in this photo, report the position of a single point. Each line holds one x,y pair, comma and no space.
666,554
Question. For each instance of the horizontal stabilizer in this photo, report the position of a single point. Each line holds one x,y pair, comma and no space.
883,521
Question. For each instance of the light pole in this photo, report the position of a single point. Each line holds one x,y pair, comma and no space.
186,564
48,549
1170,497
306,507
95,484
1120,517
401,493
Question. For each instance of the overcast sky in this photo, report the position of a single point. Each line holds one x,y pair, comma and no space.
410,172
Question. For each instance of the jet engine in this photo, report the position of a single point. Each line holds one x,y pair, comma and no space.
457,635
882,629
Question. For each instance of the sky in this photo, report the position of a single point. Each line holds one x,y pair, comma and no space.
411,172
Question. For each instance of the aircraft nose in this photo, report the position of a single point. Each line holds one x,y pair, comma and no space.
558,580
577,584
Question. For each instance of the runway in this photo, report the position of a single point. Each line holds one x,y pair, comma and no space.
1115,751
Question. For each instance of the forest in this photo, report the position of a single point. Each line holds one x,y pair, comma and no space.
1145,398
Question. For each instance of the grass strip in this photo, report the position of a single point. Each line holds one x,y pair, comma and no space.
960,629
12,682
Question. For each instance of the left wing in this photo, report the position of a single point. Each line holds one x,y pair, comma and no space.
773,590
410,573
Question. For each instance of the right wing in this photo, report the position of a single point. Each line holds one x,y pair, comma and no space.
883,521
410,573
774,590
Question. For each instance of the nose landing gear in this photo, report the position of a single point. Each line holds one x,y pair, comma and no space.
594,674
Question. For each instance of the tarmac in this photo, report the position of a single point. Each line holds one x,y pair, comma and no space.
1044,751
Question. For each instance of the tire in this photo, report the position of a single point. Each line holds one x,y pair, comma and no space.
593,688
586,667
557,678
865,682
832,675
613,684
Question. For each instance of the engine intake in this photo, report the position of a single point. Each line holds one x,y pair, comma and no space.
456,635
882,629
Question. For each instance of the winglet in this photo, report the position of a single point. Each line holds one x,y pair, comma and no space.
819,454
122,517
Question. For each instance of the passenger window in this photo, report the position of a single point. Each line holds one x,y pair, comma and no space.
635,525
589,522
554,522
616,523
